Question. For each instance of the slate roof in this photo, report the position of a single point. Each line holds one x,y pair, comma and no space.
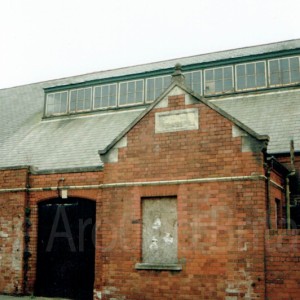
184,61
276,114
53,144
74,142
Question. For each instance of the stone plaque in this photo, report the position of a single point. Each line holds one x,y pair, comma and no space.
176,120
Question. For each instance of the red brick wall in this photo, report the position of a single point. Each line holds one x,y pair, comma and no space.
12,212
277,194
208,152
221,224
283,264
220,243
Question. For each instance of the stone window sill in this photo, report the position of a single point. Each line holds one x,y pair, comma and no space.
162,267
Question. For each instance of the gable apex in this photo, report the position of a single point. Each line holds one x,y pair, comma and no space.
176,88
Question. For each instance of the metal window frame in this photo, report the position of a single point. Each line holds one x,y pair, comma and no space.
127,82
223,92
101,86
278,59
201,79
80,110
146,86
255,88
57,113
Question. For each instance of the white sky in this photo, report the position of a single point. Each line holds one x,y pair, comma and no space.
48,39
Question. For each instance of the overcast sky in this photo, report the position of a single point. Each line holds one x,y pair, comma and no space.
48,39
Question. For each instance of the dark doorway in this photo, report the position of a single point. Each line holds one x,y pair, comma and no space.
66,250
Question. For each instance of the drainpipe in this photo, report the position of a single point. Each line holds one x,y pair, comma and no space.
287,182
268,169
27,224
288,200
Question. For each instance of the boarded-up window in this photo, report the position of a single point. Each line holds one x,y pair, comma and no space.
160,230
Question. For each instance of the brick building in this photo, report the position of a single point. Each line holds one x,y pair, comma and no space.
155,182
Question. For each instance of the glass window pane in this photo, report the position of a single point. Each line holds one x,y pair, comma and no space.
80,94
150,84
285,77
158,84
188,79
64,96
112,100
50,99
260,68
274,66
150,95
227,85
139,97
131,87
295,76
79,105
50,109
275,79
113,95
139,85
123,89
218,74
250,69
251,81
260,80
241,83
228,72
218,86
240,70
73,100
88,93
97,92
150,89
63,108
208,74
87,104
105,101
196,77
284,64
113,90
105,90
57,97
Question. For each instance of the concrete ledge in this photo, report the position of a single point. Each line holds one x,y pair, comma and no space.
162,267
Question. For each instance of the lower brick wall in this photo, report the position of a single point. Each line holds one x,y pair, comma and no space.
220,244
12,214
11,242
283,264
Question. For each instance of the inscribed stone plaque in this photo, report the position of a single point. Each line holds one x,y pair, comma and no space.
176,120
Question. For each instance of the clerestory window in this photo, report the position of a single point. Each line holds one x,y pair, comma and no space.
284,71
57,103
105,96
194,81
218,80
155,86
251,75
131,92
80,99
